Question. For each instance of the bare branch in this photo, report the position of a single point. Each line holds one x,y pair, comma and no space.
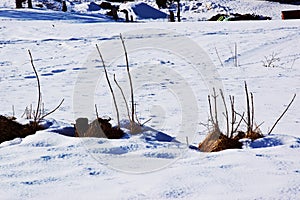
216,109
249,125
111,90
136,117
226,113
39,89
52,110
235,55
123,95
252,107
257,126
282,114
130,81
239,123
210,110
219,57
233,115
96,110
146,122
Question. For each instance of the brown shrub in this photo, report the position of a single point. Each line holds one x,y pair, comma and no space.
10,129
217,141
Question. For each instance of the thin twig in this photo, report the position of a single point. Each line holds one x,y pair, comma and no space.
242,116
210,110
219,57
257,127
226,112
233,115
96,110
146,122
282,114
235,55
30,112
123,95
136,117
252,107
52,110
39,88
239,123
216,110
111,90
249,125
130,81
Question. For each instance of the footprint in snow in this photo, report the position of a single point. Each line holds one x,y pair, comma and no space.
58,71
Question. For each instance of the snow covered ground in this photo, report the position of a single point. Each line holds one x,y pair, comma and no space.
169,90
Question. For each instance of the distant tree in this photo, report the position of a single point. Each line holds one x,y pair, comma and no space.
19,3
171,16
29,3
64,6
178,10
161,3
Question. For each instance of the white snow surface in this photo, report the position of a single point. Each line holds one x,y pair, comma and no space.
49,165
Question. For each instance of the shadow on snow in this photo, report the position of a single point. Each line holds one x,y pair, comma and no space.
35,14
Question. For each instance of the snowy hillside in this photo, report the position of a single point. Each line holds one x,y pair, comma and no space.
173,66
190,10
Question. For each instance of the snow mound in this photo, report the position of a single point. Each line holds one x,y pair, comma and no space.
143,10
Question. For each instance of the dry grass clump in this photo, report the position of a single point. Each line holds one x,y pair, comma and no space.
216,140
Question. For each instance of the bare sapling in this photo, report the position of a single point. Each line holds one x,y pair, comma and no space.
38,113
134,127
270,61
35,119
11,129
129,77
110,87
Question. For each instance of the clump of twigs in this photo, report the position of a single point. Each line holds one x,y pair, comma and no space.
135,125
11,129
218,140
271,60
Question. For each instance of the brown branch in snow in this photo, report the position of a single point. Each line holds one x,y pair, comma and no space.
39,89
52,110
252,107
210,110
282,114
130,81
123,95
96,110
249,126
216,110
226,113
111,90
